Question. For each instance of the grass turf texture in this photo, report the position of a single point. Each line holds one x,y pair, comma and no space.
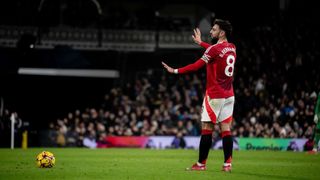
78,163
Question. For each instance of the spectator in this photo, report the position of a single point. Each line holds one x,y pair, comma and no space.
178,141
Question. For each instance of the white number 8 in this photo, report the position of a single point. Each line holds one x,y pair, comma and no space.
230,64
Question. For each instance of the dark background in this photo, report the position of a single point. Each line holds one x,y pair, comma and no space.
40,99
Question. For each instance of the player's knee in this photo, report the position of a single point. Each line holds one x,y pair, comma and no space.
207,126
225,127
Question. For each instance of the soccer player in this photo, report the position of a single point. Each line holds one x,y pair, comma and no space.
317,128
219,98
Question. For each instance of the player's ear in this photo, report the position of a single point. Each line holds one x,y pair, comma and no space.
222,33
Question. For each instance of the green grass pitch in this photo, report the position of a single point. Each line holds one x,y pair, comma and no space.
80,163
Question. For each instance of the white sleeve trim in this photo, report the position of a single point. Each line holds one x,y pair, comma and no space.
205,58
175,71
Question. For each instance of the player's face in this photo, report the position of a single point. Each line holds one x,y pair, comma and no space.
215,32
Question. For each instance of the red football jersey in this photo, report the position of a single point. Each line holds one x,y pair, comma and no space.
220,59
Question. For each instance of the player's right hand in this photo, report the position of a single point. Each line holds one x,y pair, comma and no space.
168,68
197,36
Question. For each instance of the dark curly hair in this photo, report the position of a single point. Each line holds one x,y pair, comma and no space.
225,26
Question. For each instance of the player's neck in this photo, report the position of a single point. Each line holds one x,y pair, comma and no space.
222,40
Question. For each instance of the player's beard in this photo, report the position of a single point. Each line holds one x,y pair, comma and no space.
214,39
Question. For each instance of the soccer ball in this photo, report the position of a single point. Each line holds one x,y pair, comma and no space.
45,160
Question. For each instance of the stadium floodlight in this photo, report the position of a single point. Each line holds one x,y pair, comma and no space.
98,73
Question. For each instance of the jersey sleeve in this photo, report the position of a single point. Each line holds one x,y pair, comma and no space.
205,45
210,54
192,67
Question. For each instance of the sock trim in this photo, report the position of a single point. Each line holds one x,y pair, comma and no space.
229,160
206,132
225,133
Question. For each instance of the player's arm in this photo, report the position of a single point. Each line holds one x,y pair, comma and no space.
197,38
186,69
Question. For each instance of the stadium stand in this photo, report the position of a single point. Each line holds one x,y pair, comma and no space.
276,80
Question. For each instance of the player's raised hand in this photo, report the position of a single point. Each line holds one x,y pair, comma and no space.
168,68
197,36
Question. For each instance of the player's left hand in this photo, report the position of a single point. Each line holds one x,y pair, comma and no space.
197,36
169,69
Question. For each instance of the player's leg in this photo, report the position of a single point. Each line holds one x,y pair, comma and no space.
227,142
209,110
205,141
204,146
225,119
316,137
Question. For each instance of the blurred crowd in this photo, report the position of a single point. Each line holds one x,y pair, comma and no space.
172,105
